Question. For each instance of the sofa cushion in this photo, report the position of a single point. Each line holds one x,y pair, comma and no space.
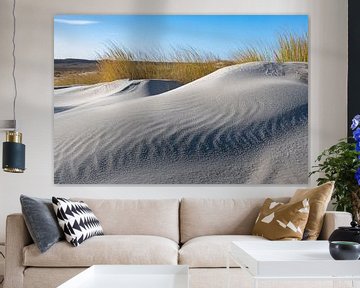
76,220
211,251
279,221
158,217
35,277
319,198
41,221
107,249
201,217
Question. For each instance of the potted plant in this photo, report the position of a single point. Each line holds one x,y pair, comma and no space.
341,163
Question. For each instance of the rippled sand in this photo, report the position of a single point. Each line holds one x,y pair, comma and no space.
245,124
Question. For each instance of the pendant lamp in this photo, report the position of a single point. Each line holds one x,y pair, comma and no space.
13,160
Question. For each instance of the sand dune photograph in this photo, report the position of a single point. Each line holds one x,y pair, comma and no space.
180,99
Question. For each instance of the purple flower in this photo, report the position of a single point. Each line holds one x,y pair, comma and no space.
357,176
355,122
355,126
356,134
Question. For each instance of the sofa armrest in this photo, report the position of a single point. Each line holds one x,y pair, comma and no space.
17,237
333,220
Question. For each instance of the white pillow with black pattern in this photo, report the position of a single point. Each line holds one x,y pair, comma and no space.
76,220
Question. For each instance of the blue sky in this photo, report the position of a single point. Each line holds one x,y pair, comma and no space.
86,36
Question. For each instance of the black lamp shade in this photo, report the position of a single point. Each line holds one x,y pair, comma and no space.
13,157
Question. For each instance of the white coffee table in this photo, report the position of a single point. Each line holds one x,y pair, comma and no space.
292,260
131,276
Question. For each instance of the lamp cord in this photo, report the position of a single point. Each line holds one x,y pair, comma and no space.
14,60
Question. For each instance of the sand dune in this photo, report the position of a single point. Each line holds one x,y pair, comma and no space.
72,97
241,124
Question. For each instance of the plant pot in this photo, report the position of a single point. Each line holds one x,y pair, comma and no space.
343,250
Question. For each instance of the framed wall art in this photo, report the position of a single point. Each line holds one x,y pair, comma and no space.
181,99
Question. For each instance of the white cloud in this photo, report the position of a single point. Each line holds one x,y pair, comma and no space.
75,22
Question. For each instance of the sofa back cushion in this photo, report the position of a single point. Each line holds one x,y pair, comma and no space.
200,217
158,217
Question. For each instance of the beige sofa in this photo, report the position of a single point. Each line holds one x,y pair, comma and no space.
194,232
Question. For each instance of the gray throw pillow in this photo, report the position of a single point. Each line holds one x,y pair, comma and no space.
41,221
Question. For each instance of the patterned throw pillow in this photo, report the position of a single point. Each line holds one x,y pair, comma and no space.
77,220
319,198
279,221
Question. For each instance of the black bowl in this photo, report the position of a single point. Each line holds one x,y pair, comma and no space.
344,250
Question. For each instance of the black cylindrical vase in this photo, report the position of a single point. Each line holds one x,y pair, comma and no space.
13,153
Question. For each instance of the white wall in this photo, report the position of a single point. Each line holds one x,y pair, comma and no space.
328,31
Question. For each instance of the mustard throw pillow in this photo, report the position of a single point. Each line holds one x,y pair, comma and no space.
279,221
319,198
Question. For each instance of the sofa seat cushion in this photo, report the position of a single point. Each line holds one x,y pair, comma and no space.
211,251
107,249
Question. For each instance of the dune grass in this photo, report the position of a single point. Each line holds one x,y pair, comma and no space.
251,54
78,79
121,63
248,55
184,64
292,48
191,65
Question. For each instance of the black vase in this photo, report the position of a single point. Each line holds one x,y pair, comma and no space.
350,234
